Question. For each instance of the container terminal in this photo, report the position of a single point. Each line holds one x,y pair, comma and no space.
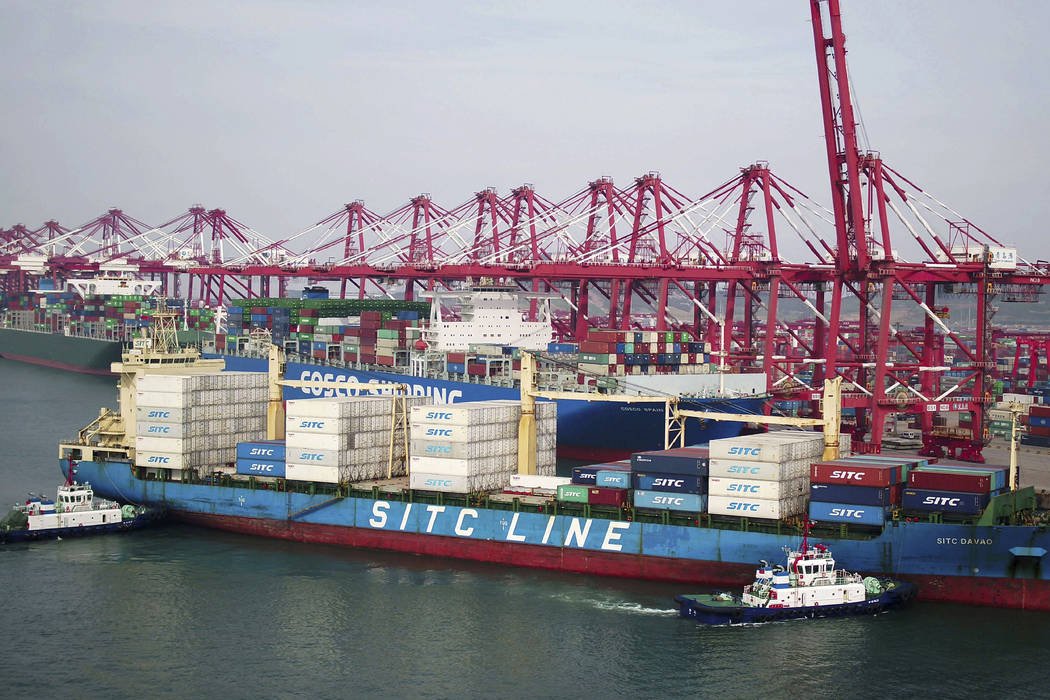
652,261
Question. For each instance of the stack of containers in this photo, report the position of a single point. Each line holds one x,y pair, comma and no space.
762,476
343,439
1038,425
265,458
196,421
857,490
606,352
954,489
471,447
673,480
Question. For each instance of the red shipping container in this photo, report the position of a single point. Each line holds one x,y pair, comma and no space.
1039,430
853,473
385,360
457,357
372,315
945,481
368,336
337,337
1039,410
895,493
367,357
596,347
320,354
607,497
605,336
640,348
368,349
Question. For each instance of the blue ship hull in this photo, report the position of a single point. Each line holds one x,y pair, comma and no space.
1001,566
598,431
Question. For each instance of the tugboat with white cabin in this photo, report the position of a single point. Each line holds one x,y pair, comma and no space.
809,587
75,512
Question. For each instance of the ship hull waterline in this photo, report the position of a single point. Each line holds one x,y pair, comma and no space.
935,557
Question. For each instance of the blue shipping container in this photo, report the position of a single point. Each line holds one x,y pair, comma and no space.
847,493
259,467
456,367
272,450
669,463
661,500
586,475
669,483
946,501
608,479
1039,421
848,513
561,348
1036,440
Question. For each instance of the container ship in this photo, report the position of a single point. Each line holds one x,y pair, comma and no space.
472,354
477,481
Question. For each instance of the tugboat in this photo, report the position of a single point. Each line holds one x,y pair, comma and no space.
74,513
810,586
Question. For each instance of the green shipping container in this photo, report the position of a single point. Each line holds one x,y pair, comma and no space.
571,493
593,359
387,334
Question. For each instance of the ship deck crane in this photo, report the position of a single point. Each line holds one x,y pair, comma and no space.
674,426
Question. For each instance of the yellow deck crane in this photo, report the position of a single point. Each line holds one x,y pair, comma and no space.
674,427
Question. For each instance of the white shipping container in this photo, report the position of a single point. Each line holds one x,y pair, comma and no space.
163,399
311,472
464,450
1019,398
537,481
463,467
457,484
468,413
312,455
165,460
154,429
770,490
754,507
178,383
338,407
439,482
313,424
159,444
761,471
464,433
162,415
320,441
781,446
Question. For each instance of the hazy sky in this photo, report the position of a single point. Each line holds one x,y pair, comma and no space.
279,112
